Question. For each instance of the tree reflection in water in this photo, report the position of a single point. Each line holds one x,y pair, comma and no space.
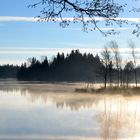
118,116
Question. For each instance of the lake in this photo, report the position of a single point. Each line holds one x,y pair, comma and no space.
34,110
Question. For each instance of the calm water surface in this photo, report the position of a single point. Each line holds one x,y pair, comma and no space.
54,112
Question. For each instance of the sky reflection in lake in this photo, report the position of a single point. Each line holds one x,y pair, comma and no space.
54,111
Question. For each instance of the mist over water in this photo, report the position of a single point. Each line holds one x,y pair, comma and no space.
34,110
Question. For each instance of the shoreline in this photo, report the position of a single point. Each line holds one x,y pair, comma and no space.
112,90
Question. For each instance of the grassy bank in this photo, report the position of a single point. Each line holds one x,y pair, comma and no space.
108,90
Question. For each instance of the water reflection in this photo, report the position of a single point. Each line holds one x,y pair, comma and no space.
77,115
60,95
119,118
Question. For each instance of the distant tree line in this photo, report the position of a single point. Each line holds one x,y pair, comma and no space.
74,67
8,71
108,67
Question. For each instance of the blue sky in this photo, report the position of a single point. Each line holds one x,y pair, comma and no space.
22,39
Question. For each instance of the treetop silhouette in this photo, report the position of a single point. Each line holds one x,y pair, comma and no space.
88,12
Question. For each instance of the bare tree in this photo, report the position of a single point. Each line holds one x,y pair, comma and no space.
135,10
117,58
88,12
132,47
128,70
110,72
106,59
85,11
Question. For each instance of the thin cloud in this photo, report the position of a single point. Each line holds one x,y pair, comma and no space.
54,51
103,29
43,51
32,19
17,19
11,62
20,55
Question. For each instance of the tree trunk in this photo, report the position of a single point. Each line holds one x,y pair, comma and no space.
121,77
136,82
105,78
118,82
105,82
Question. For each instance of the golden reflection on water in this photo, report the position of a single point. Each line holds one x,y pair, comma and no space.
120,118
117,116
